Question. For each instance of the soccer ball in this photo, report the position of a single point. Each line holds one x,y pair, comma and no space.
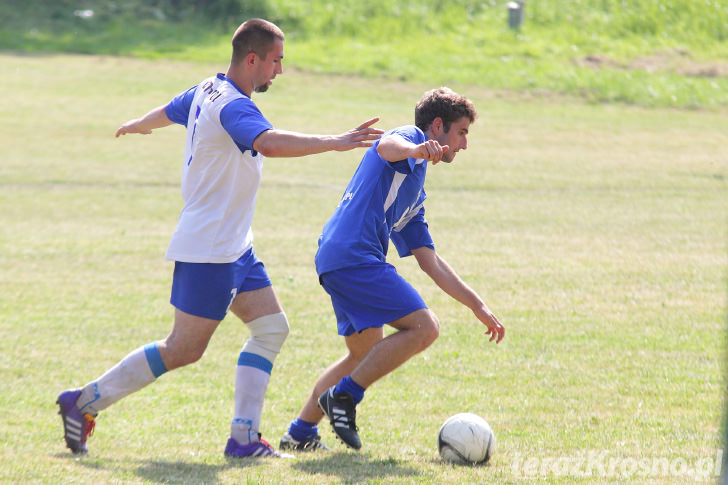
466,439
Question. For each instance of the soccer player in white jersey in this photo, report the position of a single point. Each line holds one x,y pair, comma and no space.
385,200
216,269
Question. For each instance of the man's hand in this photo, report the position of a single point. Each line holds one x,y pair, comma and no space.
431,150
361,136
156,118
131,126
394,148
495,329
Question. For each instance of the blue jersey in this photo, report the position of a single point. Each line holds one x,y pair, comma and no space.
383,201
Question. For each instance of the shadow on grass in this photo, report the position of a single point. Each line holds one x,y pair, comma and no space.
347,467
356,468
185,472
160,471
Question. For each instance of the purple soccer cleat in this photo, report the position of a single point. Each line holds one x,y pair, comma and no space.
256,449
77,427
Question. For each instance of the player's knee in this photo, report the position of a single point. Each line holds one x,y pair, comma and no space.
177,355
193,355
356,355
430,328
267,335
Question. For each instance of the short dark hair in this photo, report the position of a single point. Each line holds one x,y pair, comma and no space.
256,36
443,103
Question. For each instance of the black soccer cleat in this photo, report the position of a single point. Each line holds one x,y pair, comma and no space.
341,412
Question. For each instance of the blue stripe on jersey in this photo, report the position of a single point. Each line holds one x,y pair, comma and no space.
244,122
178,110
255,360
154,359
241,118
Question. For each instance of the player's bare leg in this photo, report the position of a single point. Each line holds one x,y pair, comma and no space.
187,341
358,345
416,332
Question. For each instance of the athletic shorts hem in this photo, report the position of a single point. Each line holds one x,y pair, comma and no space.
345,332
197,313
369,296
208,289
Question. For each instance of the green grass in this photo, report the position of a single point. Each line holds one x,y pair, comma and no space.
596,233
653,53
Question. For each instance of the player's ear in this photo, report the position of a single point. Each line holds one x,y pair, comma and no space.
437,126
251,59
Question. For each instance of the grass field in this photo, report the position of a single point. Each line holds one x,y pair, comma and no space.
653,53
596,233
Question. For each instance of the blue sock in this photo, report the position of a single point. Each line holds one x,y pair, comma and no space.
348,385
302,430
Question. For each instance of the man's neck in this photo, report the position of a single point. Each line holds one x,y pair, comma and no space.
240,80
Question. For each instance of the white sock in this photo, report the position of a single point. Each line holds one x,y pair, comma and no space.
251,381
138,369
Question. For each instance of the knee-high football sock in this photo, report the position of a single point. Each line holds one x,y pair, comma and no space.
255,363
135,371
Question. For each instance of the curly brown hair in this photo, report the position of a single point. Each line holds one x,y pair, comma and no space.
443,103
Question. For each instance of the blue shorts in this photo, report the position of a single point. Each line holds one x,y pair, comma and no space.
369,296
207,289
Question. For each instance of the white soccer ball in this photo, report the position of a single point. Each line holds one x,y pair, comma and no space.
466,439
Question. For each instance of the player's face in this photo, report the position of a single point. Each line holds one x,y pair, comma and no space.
268,68
456,138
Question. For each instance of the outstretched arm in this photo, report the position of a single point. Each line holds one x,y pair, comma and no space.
394,148
446,278
279,143
157,118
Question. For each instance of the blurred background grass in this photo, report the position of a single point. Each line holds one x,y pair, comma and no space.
659,53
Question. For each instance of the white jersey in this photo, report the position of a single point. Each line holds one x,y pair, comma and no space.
220,174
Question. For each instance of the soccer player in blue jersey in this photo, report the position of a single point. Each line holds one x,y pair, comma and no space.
216,269
385,200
